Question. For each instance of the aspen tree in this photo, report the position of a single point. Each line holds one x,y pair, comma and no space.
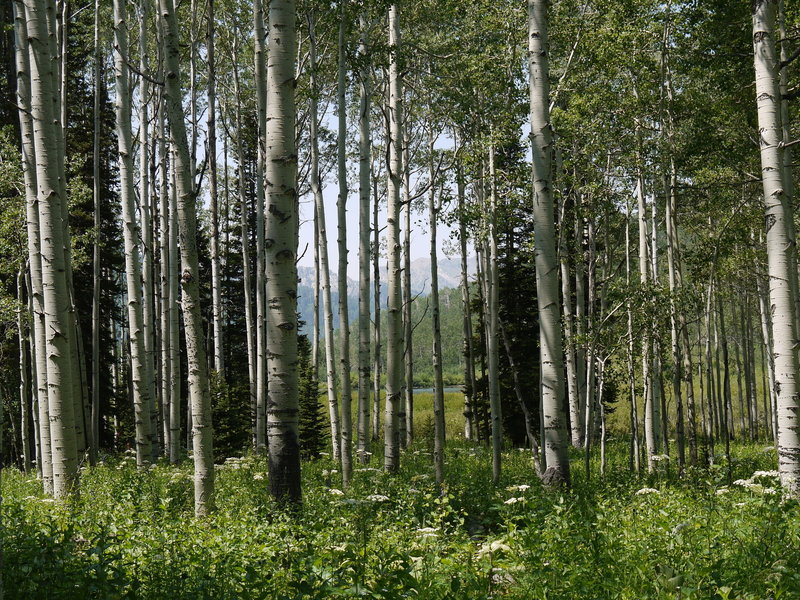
492,295
376,302
24,403
281,241
573,387
466,322
39,345
145,201
780,242
199,393
324,265
552,355
133,276
651,426
96,282
247,278
364,163
58,329
174,315
394,324
346,450
211,151
436,326
261,314
406,413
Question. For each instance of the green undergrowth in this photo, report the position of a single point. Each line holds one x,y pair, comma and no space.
132,533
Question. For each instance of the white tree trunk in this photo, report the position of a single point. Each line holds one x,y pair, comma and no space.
341,205
261,314
38,347
281,241
493,324
95,415
780,242
199,393
142,398
322,248
466,323
552,356
376,303
216,284
247,278
364,165
575,413
438,380
394,323
148,298
58,331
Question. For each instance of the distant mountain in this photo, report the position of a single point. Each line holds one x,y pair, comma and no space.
449,277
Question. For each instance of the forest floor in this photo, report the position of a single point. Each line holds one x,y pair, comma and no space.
132,534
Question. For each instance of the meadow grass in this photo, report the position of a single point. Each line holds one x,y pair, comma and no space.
132,534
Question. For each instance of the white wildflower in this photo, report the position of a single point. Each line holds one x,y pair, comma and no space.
513,500
743,482
721,491
495,546
378,498
659,457
336,492
258,476
769,491
768,474
427,530
644,491
518,488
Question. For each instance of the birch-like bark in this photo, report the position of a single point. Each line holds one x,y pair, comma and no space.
281,241
58,26
199,393
37,445
133,276
766,335
341,206
261,314
211,151
635,453
322,244
394,323
492,322
148,297
466,322
376,303
174,322
96,282
552,355
780,242
438,380
407,404
575,414
651,425
167,307
38,347
364,164
58,326
247,278
24,402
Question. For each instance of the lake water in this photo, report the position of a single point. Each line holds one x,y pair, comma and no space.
447,390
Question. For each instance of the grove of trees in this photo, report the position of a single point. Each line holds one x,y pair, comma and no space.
614,179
